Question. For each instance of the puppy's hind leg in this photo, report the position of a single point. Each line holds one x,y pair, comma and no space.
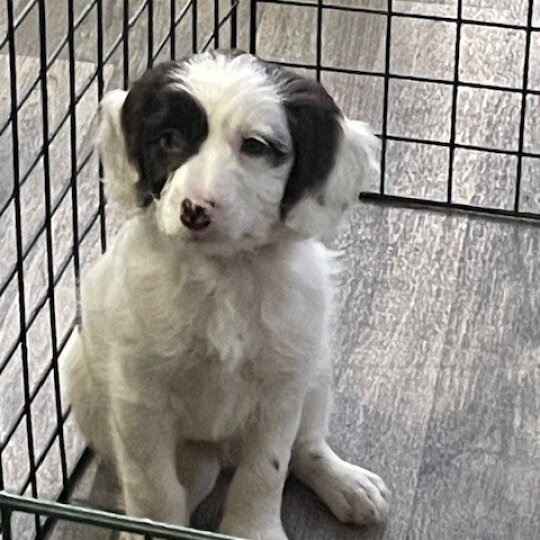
354,495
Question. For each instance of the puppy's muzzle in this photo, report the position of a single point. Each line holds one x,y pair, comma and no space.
196,215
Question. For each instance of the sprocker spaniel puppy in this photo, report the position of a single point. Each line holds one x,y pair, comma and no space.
205,327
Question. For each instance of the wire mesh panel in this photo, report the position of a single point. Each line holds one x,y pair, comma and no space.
61,56
95,520
452,87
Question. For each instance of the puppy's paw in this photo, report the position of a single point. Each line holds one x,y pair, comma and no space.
357,495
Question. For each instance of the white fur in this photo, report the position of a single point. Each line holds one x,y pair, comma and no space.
201,350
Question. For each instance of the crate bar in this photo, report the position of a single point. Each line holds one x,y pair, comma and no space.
385,96
67,490
46,449
462,146
194,24
24,13
20,266
79,96
49,234
216,24
150,8
402,14
318,52
427,204
172,30
227,16
101,89
99,518
253,27
176,22
412,78
523,118
125,40
35,391
54,56
73,145
455,93
41,228
5,514
234,25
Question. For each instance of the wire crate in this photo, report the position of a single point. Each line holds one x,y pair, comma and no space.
61,56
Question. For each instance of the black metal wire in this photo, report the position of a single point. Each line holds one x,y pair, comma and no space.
172,31
194,26
385,97
49,234
455,91
230,13
41,227
523,117
54,56
20,266
397,13
176,22
216,24
430,204
101,87
125,41
26,10
318,51
5,514
234,24
150,38
253,27
73,145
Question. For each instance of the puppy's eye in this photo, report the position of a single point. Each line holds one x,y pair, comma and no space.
255,146
171,141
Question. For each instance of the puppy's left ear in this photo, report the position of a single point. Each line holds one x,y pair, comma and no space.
334,159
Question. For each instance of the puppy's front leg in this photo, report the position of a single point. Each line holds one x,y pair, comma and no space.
253,505
144,445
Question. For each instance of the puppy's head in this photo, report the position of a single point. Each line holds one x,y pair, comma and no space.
226,148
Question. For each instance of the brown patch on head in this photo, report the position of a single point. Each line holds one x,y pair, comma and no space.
315,126
163,125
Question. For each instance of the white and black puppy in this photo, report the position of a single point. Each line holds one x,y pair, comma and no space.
204,338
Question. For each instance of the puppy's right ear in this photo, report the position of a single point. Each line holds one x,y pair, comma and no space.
119,175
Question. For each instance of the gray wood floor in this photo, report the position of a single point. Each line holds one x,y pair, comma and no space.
437,343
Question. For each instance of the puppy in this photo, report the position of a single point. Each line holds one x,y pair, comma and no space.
204,336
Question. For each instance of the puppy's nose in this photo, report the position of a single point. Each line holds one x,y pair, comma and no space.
195,216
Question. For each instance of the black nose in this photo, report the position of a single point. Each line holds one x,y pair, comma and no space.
194,216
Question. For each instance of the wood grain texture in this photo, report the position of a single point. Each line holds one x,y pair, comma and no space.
479,476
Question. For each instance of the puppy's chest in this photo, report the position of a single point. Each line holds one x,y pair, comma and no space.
210,400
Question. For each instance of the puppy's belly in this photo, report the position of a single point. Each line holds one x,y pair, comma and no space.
211,403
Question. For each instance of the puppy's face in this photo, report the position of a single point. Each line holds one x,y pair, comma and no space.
224,148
